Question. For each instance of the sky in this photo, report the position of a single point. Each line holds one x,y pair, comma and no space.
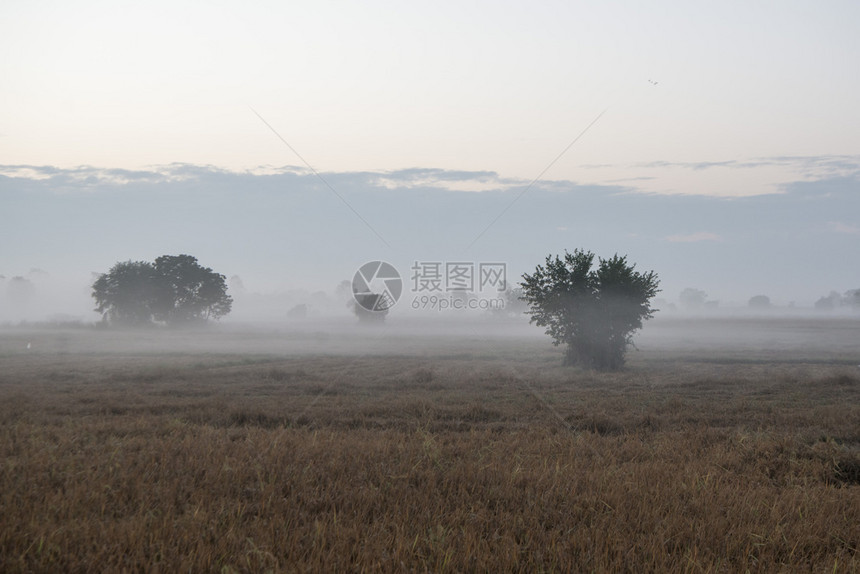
717,115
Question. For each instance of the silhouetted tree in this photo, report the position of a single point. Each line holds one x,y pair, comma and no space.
594,312
759,302
369,307
126,294
343,290
175,290
189,292
693,298
829,302
299,311
237,286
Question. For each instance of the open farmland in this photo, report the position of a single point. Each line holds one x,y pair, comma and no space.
725,445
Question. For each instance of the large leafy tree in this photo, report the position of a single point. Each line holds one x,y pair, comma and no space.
593,311
174,290
189,292
126,294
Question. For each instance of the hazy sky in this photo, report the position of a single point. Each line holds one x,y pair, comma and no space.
497,86
408,109
287,230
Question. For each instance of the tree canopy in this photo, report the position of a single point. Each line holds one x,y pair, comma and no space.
594,312
369,307
174,290
759,302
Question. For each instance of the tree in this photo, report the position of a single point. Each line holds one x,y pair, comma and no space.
174,290
513,303
829,302
189,292
237,286
126,294
852,298
343,291
759,302
693,298
370,308
594,312
299,311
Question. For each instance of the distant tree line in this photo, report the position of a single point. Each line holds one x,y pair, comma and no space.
850,298
173,290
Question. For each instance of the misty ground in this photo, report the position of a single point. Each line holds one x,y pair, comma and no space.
744,338
726,444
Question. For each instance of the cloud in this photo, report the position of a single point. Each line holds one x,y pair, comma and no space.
281,226
730,177
444,179
838,227
627,180
87,178
696,166
693,237
822,165
27,172
597,165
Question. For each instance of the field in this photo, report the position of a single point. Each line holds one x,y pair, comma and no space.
724,446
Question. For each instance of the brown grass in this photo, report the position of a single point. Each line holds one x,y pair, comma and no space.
472,461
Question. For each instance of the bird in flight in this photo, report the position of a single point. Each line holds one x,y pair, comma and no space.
652,82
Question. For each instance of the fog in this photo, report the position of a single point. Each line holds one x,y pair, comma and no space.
41,314
39,298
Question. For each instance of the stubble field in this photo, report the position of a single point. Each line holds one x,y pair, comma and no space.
722,448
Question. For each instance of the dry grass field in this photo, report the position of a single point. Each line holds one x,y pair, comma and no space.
279,452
